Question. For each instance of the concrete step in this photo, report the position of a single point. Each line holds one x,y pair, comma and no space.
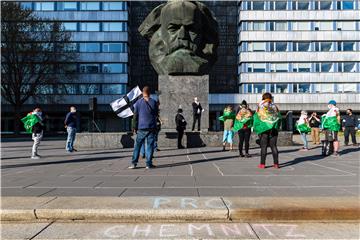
180,209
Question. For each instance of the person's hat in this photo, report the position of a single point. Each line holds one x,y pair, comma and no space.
243,103
333,102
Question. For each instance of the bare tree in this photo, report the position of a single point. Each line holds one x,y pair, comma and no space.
35,53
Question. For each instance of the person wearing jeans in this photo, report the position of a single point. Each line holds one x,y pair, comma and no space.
146,111
303,120
37,133
71,127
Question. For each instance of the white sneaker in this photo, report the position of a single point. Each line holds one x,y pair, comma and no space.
35,157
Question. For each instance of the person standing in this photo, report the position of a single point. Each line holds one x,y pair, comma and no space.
71,122
37,132
228,119
144,125
349,125
314,122
158,129
331,124
180,127
267,121
243,124
197,110
302,126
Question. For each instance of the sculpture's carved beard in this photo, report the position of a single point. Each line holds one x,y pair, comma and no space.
184,61
182,44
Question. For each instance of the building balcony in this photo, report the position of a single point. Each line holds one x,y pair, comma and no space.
299,77
84,16
99,36
308,15
299,57
103,57
299,36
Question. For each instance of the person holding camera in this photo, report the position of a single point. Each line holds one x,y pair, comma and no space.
314,122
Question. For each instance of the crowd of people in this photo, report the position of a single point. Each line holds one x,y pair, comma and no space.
265,122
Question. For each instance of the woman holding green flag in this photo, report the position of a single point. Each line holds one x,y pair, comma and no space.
228,119
243,124
267,120
302,125
331,126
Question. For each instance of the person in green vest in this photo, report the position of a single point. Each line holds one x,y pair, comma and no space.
243,124
228,119
331,125
267,120
302,125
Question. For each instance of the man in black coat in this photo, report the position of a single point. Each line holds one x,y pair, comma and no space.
349,124
197,110
180,127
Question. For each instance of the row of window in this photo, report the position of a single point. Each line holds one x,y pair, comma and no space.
300,88
95,26
91,68
300,67
97,47
75,6
82,89
299,46
299,26
299,5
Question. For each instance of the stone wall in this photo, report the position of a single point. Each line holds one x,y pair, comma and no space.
166,139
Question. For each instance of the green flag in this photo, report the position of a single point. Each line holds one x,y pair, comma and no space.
242,118
228,114
267,117
330,123
29,121
303,128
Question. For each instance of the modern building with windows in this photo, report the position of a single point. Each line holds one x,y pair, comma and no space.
305,52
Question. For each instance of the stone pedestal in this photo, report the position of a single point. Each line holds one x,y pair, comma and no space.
181,90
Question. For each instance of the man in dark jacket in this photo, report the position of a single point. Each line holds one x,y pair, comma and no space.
146,111
180,127
197,110
37,133
71,128
349,124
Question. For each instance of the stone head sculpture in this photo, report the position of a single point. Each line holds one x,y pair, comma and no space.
183,38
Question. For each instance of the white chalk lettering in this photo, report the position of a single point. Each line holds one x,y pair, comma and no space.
188,201
159,201
265,227
146,231
234,229
291,229
214,203
191,228
114,232
163,229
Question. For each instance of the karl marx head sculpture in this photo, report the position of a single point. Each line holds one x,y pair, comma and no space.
183,38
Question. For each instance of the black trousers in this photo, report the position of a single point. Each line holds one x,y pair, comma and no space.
269,138
244,136
350,131
180,136
196,117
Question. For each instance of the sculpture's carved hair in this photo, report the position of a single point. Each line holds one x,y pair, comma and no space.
152,23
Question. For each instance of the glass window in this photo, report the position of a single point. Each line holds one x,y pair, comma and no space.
259,88
257,46
301,26
349,67
89,47
44,6
89,6
281,88
259,67
90,68
279,67
114,68
89,88
345,5
67,6
280,26
346,26
114,26
327,67
70,26
348,46
66,89
258,5
68,68
26,5
45,89
70,47
89,27
113,89
302,67
115,47
324,88
280,5
349,87
114,6
258,26
303,5
281,46
326,26
303,88
325,5
326,46
303,46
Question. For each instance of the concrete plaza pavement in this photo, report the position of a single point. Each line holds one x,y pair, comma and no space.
190,172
